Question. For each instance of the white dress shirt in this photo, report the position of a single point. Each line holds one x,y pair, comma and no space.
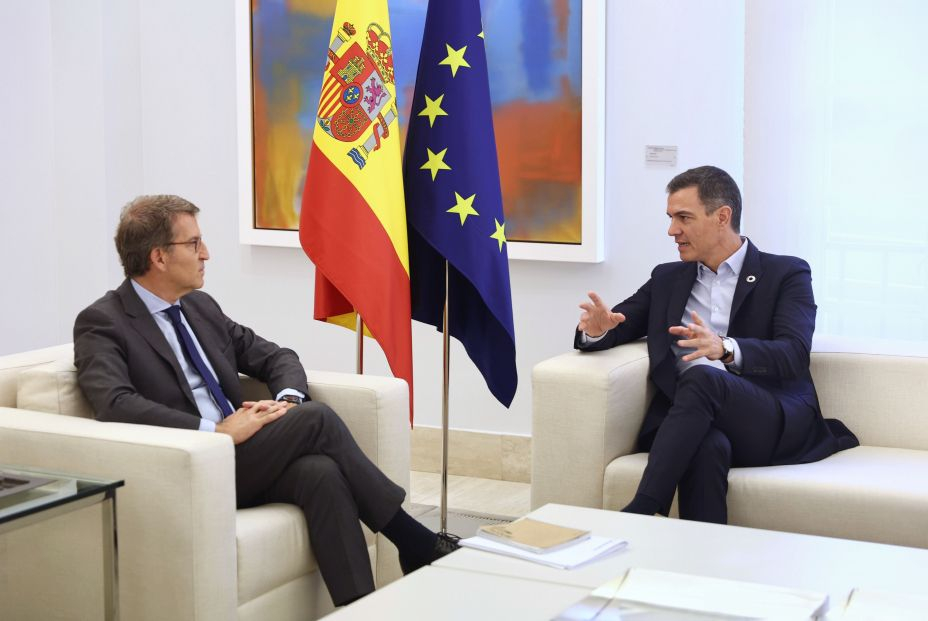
711,297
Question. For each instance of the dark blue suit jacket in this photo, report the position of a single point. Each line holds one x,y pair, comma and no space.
772,318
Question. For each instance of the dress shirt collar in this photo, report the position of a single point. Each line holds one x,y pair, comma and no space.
734,263
152,302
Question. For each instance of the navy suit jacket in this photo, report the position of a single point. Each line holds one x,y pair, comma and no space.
772,318
129,373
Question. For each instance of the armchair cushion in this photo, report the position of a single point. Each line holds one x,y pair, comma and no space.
880,398
12,365
272,544
52,387
868,483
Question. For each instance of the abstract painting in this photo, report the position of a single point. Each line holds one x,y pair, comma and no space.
537,61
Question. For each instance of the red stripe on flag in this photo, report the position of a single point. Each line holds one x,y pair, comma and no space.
356,264
329,97
326,112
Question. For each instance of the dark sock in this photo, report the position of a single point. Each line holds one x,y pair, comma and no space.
414,541
644,505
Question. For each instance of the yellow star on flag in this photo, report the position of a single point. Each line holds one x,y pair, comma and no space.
455,59
433,109
481,35
464,207
436,162
500,234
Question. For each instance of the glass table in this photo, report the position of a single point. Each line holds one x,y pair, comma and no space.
59,494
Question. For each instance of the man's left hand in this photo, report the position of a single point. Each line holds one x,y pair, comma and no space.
697,336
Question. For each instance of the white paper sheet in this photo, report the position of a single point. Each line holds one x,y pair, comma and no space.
726,598
581,553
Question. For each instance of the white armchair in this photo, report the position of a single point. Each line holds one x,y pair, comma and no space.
184,551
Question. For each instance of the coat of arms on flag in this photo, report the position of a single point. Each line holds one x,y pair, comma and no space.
354,93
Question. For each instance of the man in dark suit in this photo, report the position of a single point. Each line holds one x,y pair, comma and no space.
156,351
729,331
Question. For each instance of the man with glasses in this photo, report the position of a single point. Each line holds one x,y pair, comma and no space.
157,351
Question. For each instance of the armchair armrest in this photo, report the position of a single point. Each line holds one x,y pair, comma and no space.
587,409
376,411
176,513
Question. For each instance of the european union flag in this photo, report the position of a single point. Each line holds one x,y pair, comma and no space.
454,207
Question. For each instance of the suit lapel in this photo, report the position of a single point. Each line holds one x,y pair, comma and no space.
143,323
751,273
680,289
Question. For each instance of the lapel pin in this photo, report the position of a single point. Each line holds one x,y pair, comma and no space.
751,278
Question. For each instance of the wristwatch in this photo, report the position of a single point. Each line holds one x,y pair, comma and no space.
294,399
728,346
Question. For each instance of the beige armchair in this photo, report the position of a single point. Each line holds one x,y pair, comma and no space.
184,551
588,407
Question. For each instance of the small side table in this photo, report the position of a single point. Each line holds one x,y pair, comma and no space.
64,494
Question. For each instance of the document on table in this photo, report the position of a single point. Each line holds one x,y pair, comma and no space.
580,553
533,535
869,604
654,594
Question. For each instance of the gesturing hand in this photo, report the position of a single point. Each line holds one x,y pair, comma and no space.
697,336
596,318
248,419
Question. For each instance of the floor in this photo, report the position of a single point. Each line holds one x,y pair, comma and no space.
472,502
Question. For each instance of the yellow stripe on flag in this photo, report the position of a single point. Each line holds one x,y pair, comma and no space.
348,320
379,182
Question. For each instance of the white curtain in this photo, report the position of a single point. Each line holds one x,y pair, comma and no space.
836,126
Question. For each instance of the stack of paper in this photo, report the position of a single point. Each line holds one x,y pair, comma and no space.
547,544
684,596
875,605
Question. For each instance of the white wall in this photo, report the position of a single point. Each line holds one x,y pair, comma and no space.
122,98
835,129
66,161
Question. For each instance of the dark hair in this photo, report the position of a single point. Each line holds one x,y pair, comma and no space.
146,223
715,188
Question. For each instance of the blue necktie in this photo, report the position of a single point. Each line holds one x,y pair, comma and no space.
194,356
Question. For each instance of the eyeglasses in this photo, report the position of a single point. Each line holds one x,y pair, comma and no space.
196,241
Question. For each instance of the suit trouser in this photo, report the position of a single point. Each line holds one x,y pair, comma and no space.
717,420
309,458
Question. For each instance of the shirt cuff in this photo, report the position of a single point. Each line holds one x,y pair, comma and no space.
586,338
207,425
290,391
735,364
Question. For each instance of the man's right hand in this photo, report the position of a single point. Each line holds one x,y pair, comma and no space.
248,419
596,318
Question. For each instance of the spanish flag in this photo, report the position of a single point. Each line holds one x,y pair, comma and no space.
353,217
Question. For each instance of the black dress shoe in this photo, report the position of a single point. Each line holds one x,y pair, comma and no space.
445,543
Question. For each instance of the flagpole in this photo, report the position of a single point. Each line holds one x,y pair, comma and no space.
359,359
446,358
